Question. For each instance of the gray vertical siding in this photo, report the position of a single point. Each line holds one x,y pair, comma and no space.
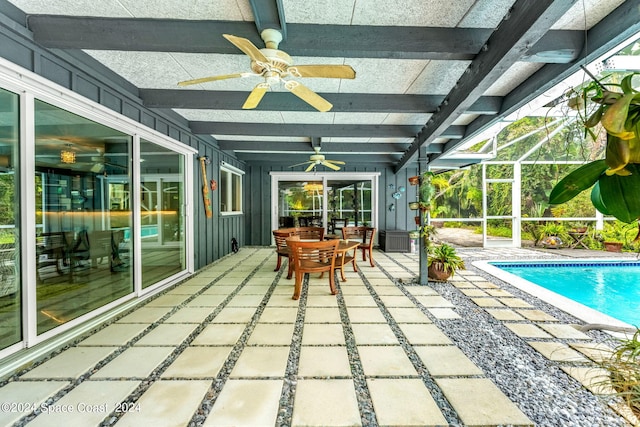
80,73
258,200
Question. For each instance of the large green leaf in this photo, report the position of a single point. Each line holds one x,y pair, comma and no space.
576,182
596,199
621,194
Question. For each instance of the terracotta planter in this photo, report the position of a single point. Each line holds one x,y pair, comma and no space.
436,272
414,180
613,246
417,219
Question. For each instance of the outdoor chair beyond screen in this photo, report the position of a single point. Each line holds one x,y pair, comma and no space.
365,235
313,257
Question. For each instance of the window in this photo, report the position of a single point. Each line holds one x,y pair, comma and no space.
230,189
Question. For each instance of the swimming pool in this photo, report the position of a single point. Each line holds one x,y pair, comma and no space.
608,287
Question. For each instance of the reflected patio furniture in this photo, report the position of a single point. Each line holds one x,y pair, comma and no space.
365,235
312,257
95,246
52,248
8,268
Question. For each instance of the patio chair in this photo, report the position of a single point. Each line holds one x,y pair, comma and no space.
313,257
366,236
282,250
310,233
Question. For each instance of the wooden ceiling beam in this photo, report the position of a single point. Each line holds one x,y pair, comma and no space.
283,101
348,41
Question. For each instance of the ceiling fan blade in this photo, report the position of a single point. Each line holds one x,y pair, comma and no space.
331,165
247,47
326,71
214,78
300,164
255,96
337,162
311,166
308,96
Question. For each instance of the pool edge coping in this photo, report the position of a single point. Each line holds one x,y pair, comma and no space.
574,308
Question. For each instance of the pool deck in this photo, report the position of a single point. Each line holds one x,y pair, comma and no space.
230,347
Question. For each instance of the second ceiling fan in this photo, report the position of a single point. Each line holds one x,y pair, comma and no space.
274,65
319,159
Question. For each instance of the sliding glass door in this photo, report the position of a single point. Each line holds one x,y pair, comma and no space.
10,283
330,200
83,215
162,216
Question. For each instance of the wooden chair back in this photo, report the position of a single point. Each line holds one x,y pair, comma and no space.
310,233
366,237
312,257
280,237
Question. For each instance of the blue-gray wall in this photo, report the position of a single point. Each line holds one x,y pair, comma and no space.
258,201
85,76
80,73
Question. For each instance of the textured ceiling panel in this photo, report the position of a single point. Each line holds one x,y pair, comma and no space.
438,77
454,51
486,14
184,9
338,12
588,12
428,13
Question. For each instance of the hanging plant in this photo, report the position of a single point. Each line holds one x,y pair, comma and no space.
614,180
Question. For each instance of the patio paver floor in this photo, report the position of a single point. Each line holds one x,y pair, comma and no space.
230,347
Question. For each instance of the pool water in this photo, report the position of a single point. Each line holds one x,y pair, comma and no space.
612,288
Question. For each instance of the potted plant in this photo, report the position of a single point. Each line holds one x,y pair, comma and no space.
553,235
443,261
612,246
623,367
615,179
414,180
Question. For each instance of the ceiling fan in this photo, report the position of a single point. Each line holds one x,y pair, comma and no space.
274,65
318,159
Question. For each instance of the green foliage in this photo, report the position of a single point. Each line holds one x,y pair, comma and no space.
617,231
615,179
499,231
447,258
623,367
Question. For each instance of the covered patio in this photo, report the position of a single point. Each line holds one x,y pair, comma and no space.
230,347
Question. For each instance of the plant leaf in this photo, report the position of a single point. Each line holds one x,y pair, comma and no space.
620,194
615,117
576,182
596,199
594,119
617,155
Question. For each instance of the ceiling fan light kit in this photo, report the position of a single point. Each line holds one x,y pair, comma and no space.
273,65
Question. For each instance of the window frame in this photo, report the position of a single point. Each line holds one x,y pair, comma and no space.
234,175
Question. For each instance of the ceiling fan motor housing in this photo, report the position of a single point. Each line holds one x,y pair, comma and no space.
278,60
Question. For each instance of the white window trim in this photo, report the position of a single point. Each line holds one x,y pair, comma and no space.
228,168
276,177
